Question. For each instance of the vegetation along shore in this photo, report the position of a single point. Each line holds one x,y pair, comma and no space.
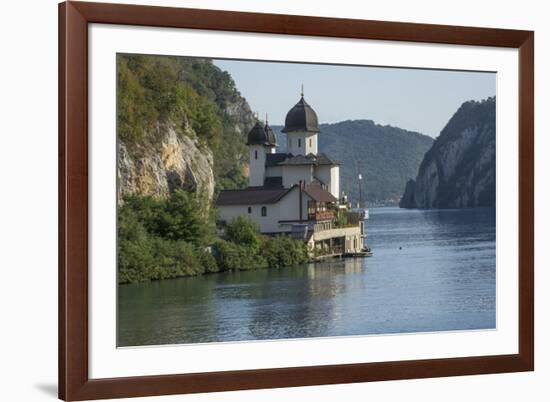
171,237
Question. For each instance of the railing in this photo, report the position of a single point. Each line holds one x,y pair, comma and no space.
322,226
321,216
328,251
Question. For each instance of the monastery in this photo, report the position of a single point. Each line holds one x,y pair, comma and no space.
296,192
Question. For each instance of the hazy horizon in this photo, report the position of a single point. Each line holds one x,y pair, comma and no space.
419,100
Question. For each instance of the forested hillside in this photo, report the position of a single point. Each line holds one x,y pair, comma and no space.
387,156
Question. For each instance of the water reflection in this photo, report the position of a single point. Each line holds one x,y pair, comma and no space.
432,270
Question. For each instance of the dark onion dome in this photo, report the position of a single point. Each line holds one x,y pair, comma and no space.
301,118
261,135
271,138
257,136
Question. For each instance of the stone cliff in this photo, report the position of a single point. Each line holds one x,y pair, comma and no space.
458,171
178,162
182,124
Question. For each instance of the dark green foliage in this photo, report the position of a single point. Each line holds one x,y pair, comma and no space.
173,259
181,219
153,258
150,91
245,248
207,260
283,251
188,93
233,179
160,239
341,219
170,238
178,217
244,232
236,257
135,249
388,157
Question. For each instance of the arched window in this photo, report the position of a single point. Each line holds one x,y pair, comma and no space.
255,154
264,211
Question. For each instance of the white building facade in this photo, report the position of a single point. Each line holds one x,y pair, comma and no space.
294,192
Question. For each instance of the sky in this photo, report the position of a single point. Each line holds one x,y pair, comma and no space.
413,99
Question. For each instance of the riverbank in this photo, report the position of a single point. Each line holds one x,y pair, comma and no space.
175,237
433,270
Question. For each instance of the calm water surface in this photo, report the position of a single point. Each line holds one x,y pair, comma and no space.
431,271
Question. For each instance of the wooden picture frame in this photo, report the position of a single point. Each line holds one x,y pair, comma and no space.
74,381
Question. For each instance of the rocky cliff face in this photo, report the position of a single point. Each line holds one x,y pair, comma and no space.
178,162
182,124
459,169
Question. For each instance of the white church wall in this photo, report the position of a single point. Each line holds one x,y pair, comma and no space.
289,206
312,144
335,181
293,174
257,165
302,143
296,143
329,175
267,224
323,173
287,209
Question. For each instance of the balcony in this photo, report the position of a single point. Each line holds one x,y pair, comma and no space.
321,216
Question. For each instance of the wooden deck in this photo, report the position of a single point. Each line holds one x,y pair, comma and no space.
358,254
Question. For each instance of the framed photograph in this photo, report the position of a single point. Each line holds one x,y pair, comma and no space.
260,200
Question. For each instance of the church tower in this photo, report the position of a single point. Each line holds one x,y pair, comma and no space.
261,141
301,128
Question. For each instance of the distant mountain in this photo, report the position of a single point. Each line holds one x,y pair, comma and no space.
459,169
387,156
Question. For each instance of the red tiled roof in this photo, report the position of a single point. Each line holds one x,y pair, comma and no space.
317,193
252,195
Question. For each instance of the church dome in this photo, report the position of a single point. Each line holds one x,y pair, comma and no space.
257,136
271,138
301,118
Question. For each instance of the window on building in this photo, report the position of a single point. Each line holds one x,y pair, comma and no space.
264,211
310,142
255,154
299,142
249,210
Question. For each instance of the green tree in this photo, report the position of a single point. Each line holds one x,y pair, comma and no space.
283,251
235,257
243,231
160,239
181,218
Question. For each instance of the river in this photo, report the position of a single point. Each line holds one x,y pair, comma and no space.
432,270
